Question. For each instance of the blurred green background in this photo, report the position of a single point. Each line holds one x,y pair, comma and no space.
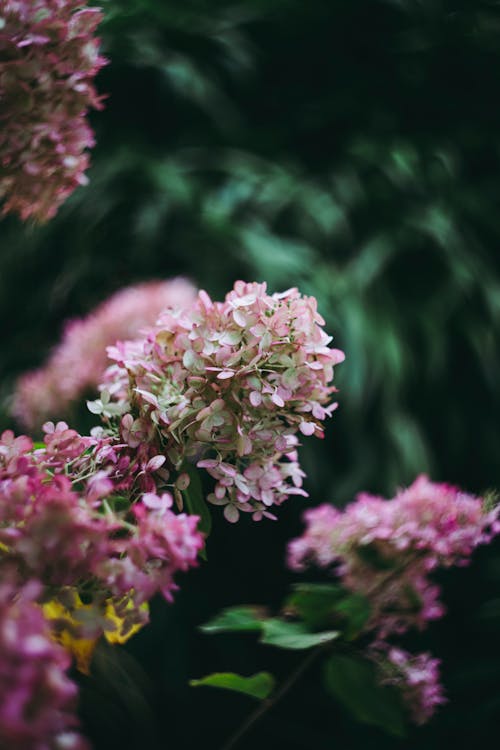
350,148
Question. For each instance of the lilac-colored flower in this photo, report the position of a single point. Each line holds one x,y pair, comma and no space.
37,700
229,385
49,58
386,549
76,365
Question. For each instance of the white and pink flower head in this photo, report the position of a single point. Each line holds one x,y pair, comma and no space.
229,386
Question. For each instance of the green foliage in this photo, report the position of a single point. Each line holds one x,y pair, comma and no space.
235,619
352,681
294,635
258,686
321,605
194,499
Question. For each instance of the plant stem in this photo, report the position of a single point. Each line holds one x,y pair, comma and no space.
266,705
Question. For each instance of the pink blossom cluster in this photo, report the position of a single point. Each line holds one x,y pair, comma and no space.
386,549
416,676
63,525
229,386
49,58
76,365
37,700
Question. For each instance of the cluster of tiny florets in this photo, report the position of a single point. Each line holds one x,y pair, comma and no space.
62,525
386,550
76,366
37,699
48,60
229,386
416,676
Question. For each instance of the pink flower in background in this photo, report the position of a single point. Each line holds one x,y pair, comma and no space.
386,549
49,58
37,700
228,386
415,675
77,363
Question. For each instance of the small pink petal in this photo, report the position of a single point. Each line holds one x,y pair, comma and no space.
307,428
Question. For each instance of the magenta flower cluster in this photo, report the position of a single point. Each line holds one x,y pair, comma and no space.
229,386
76,366
63,525
37,699
48,60
416,676
387,550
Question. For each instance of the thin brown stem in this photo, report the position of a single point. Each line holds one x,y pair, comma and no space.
266,705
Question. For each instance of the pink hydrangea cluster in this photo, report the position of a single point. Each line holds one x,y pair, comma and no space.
416,676
48,60
63,524
386,549
229,386
37,700
76,365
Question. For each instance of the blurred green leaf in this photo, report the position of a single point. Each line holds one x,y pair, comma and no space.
352,681
259,685
235,619
194,499
293,635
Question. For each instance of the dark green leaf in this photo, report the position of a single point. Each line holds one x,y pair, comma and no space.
194,500
352,681
356,610
321,604
235,619
315,602
258,685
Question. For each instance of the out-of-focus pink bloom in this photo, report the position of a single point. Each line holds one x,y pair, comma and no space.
386,549
228,385
77,364
415,675
48,60
37,700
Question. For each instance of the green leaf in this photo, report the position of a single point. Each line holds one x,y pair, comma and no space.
356,610
236,619
258,685
324,604
194,500
315,602
352,681
293,635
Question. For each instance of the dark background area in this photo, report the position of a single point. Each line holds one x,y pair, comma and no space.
351,149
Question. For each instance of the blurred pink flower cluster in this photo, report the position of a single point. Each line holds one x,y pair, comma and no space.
415,675
49,58
386,550
228,386
37,699
77,363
